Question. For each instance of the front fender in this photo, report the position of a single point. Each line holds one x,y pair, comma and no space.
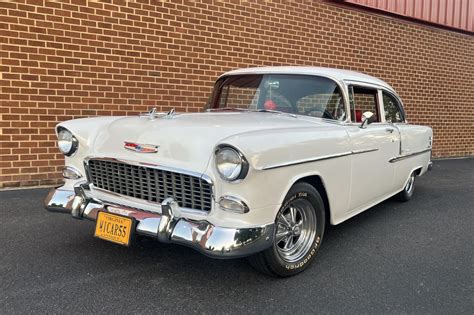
85,130
280,158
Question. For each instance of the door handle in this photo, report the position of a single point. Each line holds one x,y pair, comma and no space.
390,130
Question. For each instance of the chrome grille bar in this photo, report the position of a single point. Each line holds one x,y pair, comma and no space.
150,184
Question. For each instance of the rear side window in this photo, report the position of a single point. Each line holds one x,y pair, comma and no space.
392,109
363,100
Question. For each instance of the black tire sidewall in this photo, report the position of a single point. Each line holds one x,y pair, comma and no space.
309,193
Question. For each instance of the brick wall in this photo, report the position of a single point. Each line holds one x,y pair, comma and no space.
76,58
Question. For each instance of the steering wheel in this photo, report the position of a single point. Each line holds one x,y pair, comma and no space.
319,112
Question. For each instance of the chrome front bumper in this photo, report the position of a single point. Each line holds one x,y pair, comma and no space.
167,227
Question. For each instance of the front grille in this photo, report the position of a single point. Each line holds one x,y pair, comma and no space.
150,184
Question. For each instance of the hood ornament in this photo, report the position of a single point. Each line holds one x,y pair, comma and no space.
140,148
170,114
153,114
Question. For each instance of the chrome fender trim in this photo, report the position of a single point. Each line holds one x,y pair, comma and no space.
409,155
315,159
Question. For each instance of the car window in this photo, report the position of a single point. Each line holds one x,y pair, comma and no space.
326,105
297,94
239,97
392,110
363,100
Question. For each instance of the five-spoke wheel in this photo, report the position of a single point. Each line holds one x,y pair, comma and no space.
296,230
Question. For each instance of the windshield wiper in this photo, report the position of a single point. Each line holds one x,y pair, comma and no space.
261,110
226,109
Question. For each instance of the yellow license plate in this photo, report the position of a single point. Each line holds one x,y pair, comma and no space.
113,228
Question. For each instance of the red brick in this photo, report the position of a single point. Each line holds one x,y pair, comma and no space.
63,60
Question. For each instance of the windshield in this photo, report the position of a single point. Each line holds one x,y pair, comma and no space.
296,94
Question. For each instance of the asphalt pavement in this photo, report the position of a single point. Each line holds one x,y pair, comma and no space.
414,257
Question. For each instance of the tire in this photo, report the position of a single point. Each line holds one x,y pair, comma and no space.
408,190
299,230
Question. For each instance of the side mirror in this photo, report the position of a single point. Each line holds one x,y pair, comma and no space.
367,118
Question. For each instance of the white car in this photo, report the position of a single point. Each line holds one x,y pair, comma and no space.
279,153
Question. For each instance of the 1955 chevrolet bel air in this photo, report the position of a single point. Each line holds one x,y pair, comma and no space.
279,153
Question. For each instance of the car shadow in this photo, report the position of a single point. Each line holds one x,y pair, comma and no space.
175,261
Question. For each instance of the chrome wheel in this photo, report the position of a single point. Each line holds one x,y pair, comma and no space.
299,230
296,230
410,185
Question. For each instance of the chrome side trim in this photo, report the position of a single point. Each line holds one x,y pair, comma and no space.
320,158
406,156
364,151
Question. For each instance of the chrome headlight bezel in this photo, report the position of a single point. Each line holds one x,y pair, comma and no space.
67,142
241,165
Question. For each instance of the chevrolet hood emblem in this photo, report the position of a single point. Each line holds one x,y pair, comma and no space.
140,148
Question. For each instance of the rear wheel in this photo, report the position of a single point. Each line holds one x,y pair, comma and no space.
409,189
299,229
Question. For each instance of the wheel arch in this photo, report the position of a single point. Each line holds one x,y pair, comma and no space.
317,182
418,170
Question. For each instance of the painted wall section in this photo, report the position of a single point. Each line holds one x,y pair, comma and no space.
458,14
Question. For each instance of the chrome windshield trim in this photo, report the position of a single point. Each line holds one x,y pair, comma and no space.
320,158
406,156
205,177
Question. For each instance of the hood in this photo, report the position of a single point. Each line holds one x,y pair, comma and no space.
185,141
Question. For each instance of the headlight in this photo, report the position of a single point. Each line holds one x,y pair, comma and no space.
67,143
230,163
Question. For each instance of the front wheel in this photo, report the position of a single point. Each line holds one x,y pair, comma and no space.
299,229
